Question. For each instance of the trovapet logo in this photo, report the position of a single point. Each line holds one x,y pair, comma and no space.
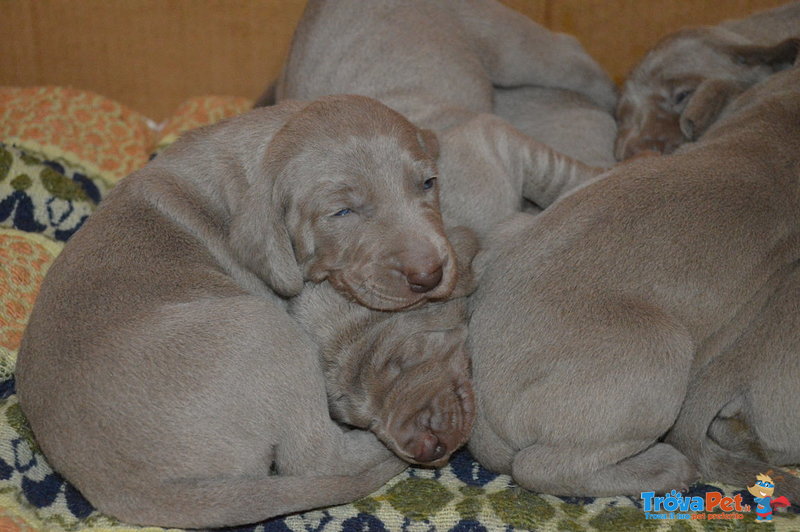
715,505
674,505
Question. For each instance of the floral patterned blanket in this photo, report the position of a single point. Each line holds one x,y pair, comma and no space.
61,150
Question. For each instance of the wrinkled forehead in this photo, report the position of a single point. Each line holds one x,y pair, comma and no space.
376,153
372,163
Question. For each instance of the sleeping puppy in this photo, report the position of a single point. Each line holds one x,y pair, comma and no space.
741,416
403,375
161,372
685,82
437,63
579,371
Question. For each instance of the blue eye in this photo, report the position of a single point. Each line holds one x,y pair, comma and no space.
343,212
428,183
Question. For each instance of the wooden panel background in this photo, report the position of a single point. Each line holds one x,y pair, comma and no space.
153,54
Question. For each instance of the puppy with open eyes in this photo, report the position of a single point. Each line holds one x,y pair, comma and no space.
684,84
161,372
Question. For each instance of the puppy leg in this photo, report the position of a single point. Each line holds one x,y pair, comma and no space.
618,468
335,451
755,381
494,453
731,431
490,166
543,173
706,104
247,497
237,424
547,174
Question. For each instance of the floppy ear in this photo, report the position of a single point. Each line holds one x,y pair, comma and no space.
260,239
778,56
429,142
705,105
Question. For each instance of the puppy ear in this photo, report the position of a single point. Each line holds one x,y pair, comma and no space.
429,142
705,105
779,56
260,239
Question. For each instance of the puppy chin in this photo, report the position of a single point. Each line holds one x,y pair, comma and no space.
395,295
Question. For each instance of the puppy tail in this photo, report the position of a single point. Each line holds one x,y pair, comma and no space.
709,392
246,500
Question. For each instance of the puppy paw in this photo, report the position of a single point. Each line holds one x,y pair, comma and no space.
669,469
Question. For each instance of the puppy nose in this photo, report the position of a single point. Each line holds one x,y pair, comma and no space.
429,449
424,281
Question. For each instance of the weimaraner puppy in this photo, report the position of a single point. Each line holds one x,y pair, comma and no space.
579,371
403,375
685,82
165,379
438,62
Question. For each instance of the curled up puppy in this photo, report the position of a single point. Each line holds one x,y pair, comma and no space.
403,375
684,84
581,371
741,415
160,370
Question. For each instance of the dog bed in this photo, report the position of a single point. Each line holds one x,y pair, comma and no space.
61,151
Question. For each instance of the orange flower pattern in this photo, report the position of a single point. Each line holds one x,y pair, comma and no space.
200,111
84,129
24,259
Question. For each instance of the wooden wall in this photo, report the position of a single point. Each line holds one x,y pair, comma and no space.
153,54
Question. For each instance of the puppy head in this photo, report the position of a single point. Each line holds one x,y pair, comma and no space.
418,399
350,194
682,85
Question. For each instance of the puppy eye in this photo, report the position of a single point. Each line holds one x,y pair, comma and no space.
429,183
681,97
343,212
